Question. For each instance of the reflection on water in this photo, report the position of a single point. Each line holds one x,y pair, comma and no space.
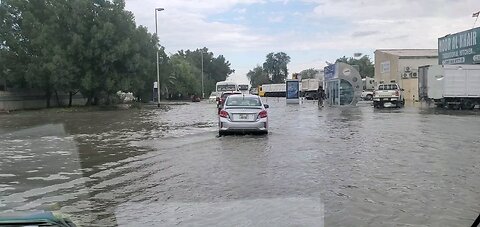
409,166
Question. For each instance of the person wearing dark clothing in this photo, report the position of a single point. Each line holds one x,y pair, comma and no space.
320,95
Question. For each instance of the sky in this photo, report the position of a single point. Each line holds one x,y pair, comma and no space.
311,32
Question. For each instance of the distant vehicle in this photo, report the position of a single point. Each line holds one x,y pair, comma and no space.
195,98
388,95
367,95
309,88
273,90
260,91
243,88
254,91
225,86
450,86
212,97
243,113
368,88
223,97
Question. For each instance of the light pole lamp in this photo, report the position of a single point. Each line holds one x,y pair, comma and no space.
158,64
203,93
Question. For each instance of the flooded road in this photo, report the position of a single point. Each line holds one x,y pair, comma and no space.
351,166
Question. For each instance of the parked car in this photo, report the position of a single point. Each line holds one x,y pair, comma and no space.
367,95
243,113
213,97
195,98
388,95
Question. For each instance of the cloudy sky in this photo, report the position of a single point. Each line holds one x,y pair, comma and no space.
309,31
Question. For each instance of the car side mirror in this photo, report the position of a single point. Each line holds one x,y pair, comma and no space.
266,106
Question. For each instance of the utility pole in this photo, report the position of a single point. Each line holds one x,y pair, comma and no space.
158,64
203,92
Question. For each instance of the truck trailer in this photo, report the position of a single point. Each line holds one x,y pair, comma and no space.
450,86
272,90
309,88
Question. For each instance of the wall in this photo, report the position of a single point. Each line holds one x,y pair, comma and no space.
381,57
19,100
410,85
397,66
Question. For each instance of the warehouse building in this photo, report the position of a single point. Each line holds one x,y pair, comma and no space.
401,65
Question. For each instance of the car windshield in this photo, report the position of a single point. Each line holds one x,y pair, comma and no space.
243,101
240,112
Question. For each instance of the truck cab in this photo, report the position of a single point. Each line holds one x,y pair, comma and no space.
388,95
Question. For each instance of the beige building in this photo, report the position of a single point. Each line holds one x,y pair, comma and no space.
401,66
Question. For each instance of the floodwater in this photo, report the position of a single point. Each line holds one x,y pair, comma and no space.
335,166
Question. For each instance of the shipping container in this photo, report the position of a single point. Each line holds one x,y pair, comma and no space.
430,84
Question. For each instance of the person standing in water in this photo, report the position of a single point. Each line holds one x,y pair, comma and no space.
321,96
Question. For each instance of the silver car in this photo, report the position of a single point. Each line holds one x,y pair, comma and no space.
243,113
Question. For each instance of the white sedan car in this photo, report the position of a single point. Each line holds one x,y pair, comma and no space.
243,113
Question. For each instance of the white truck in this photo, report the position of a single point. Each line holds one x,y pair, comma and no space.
450,86
309,88
387,95
274,90
368,88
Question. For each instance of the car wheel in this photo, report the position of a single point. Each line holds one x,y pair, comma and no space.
369,97
221,133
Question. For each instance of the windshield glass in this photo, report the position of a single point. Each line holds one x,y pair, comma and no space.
243,101
388,87
339,112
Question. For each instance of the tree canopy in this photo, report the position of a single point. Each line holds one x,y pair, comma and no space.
309,73
258,76
367,68
276,66
95,47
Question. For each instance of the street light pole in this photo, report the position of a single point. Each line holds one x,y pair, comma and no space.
158,64
203,93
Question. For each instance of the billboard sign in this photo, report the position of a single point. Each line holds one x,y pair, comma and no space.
460,48
293,89
329,72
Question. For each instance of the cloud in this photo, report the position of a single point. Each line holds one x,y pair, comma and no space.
332,27
241,10
364,33
184,24
276,19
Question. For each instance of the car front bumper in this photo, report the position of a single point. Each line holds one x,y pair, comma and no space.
251,126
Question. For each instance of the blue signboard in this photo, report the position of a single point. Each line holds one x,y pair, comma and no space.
329,72
293,89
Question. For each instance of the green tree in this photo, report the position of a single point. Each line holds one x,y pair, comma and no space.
94,47
276,66
309,73
215,68
365,64
36,41
258,76
185,80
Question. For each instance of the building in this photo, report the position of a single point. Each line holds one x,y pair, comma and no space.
401,66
